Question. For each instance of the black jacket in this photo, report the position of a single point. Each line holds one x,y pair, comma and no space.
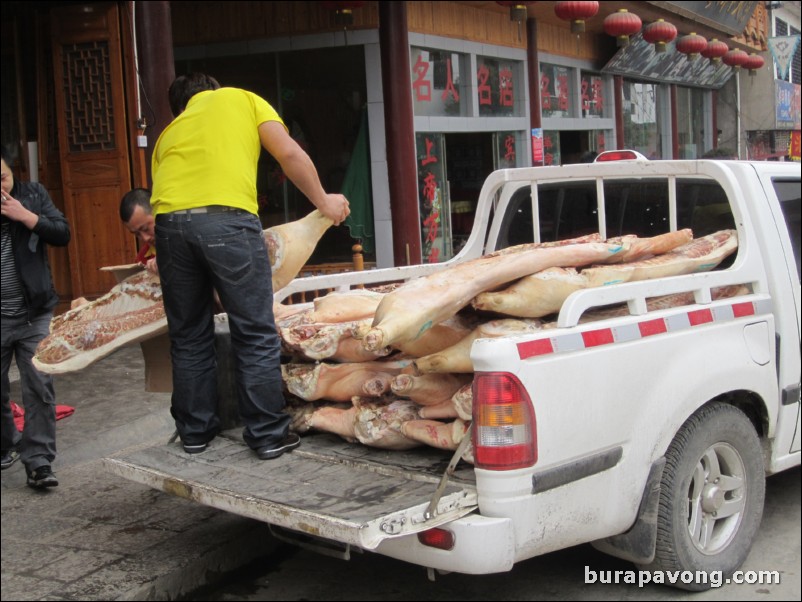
30,246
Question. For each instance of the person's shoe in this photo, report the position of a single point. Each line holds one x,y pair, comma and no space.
289,443
8,458
194,449
42,477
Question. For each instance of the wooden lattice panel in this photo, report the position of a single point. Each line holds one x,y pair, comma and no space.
88,95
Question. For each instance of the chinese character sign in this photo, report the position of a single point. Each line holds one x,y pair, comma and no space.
496,84
436,78
432,198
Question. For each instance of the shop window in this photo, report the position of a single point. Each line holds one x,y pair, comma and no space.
436,77
497,83
592,95
555,91
642,127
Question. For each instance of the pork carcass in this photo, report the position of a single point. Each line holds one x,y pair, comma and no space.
533,296
132,311
457,358
408,312
339,382
379,422
459,406
290,245
699,255
348,306
428,389
331,418
319,341
442,435
643,248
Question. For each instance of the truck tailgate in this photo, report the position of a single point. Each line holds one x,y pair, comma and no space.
327,487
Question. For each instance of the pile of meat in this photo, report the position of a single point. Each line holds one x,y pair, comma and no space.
391,369
133,310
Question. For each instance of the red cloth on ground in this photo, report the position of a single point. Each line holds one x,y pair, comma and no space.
19,414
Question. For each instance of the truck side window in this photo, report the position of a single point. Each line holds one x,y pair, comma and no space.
788,192
703,207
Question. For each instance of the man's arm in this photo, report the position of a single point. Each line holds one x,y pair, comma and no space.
298,167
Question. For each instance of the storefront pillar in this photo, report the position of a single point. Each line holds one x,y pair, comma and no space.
533,64
400,132
618,96
156,69
674,126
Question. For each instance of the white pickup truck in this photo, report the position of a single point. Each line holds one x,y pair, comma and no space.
648,435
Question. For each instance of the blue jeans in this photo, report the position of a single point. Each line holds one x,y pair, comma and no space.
196,254
37,442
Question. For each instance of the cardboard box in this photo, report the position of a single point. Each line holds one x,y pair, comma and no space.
156,351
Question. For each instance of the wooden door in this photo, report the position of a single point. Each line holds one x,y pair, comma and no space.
93,140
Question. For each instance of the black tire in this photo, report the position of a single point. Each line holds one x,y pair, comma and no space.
711,499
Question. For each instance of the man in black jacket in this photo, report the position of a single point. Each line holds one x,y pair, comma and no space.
30,221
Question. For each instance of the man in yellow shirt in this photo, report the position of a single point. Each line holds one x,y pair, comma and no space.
208,236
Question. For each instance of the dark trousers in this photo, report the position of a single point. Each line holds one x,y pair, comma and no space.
196,254
37,442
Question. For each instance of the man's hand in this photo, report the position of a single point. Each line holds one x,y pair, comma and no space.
335,207
16,212
151,266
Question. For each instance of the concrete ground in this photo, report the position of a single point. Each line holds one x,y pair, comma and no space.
100,537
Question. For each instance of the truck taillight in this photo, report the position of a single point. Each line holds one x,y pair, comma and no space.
504,427
442,539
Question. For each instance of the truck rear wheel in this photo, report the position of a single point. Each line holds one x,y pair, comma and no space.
711,498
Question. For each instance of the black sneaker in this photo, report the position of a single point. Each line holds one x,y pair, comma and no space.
42,477
8,458
289,443
194,448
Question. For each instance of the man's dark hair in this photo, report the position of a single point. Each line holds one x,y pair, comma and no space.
6,156
185,87
136,197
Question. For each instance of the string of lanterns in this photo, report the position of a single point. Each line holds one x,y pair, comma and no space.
622,24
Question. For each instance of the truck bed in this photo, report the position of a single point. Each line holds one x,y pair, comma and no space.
327,487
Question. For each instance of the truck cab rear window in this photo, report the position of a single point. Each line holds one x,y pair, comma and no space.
637,206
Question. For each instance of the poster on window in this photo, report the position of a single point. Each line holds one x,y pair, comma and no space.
496,82
432,198
555,91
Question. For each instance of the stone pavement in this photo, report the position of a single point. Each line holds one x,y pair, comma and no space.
100,537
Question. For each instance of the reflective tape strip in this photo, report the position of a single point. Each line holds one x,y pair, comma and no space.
639,330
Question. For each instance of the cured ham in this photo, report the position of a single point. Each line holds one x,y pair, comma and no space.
132,311
290,245
699,255
408,312
457,358
428,389
442,435
339,382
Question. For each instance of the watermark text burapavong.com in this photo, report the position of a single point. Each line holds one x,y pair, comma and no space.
714,578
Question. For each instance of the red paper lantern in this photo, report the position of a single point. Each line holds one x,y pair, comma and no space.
715,50
622,24
753,63
517,10
659,33
735,58
576,12
692,45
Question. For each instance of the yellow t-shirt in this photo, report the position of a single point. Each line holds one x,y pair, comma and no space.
208,154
